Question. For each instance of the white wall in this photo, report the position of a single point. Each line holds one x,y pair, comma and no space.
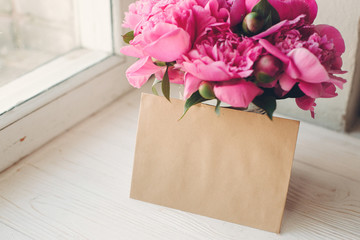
332,113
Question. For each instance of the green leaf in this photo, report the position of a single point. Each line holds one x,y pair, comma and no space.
191,101
266,102
268,13
217,108
156,82
165,86
128,37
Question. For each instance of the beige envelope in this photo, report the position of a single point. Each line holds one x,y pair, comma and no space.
234,167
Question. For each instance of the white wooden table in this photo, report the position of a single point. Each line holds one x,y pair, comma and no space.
77,187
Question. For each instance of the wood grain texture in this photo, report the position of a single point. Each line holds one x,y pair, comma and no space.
77,187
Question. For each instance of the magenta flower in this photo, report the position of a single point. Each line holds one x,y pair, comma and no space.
311,56
225,58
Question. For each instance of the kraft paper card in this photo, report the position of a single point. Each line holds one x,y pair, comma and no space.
234,167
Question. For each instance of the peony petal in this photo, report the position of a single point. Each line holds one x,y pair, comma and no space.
131,20
313,90
279,92
191,85
290,9
132,51
250,4
175,75
166,43
337,64
277,27
292,69
286,82
334,34
243,74
309,66
329,90
338,81
306,103
141,71
332,71
238,94
202,19
215,71
237,12
274,51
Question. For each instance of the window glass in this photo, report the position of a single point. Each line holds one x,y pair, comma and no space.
33,32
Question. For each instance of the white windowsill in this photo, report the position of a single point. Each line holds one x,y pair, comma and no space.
41,79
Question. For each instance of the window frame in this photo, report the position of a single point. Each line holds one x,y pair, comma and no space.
36,120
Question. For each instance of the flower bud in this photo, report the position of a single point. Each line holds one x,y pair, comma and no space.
267,68
253,23
206,90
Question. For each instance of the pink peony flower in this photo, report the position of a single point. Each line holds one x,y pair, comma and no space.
191,15
166,30
225,58
311,56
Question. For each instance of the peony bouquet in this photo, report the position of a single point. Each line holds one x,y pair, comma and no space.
235,51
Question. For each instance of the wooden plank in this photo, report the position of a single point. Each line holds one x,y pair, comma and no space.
77,187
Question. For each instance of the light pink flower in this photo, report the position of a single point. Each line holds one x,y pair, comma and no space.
166,30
